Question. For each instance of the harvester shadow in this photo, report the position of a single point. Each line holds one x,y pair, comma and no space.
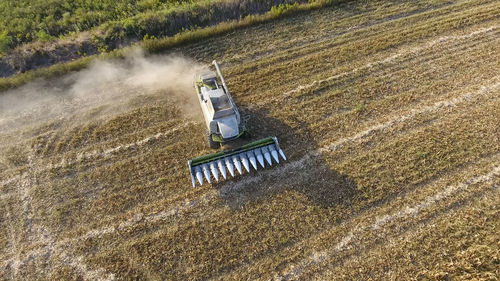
304,171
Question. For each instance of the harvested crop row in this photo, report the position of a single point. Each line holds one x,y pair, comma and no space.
370,92
347,33
303,31
412,215
280,76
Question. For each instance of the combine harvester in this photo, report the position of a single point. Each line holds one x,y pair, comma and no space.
224,125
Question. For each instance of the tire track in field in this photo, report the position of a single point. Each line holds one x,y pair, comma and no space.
391,72
49,248
206,198
294,271
324,115
386,60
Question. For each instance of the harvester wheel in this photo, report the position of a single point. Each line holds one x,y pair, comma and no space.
212,143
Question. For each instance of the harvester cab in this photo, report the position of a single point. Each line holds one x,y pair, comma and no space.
224,124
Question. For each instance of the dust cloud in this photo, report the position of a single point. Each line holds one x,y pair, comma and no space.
105,87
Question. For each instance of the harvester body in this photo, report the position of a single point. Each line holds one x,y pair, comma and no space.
224,124
221,115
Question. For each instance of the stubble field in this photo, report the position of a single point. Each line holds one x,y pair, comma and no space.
388,111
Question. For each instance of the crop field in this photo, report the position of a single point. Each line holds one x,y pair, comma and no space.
388,112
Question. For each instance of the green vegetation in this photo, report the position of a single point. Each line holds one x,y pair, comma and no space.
5,41
360,107
24,20
277,11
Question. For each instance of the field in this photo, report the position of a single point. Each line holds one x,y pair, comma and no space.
388,111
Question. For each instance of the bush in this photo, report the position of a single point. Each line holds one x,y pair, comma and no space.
5,41
43,36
